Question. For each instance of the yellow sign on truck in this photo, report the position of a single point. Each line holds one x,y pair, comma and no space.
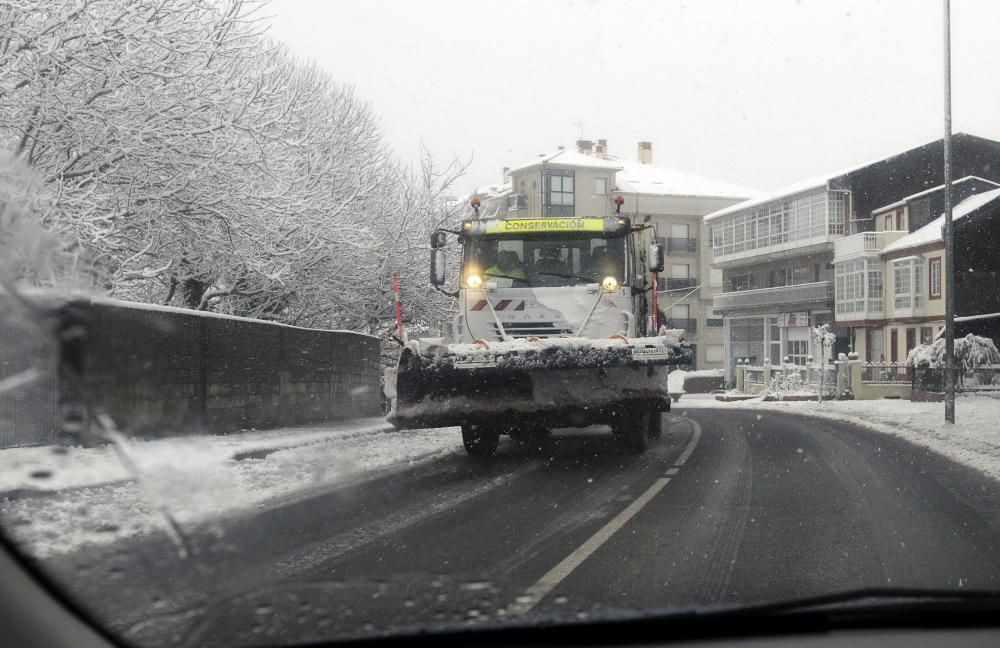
527,225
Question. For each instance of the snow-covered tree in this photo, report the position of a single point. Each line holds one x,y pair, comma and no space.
189,160
971,352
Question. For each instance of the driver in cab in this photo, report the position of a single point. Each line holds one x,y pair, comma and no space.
508,267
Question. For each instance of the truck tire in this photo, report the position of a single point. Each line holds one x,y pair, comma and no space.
480,440
633,429
655,424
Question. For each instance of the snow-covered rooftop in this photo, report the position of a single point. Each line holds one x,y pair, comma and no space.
932,232
920,194
814,182
636,177
801,186
568,158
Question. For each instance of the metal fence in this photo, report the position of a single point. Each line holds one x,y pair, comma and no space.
886,373
980,379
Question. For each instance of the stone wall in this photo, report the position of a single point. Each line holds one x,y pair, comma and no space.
164,371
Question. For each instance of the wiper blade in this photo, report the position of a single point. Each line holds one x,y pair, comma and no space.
876,598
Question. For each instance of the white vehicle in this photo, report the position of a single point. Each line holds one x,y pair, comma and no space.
556,327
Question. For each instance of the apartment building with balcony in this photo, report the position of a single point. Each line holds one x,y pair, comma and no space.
584,181
776,252
890,283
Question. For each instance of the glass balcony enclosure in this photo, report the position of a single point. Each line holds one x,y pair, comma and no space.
816,216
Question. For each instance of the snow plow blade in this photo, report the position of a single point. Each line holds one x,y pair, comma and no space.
450,384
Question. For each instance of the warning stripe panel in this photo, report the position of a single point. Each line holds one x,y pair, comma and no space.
502,304
480,305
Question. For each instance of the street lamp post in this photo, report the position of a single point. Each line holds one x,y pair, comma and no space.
949,234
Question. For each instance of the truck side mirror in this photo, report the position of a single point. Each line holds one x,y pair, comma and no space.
437,267
437,239
656,260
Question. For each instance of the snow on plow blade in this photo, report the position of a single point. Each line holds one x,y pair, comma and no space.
436,382
559,353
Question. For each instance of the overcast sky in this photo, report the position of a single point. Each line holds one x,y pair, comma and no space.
758,93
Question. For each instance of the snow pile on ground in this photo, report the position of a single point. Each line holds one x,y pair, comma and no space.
974,439
676,378
56,499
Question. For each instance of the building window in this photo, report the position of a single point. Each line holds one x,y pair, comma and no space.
908,282
849,288
715,352
835,212
680,271
858,287
875,286
798,351
715,278
679,230
743,281
934,280
714,322
600,186
559,192
902,284
746,340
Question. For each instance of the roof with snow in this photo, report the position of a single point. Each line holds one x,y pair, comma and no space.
920,194
814,182
932,232
568,158
636,177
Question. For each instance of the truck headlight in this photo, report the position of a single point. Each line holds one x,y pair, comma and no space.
474,281
610,284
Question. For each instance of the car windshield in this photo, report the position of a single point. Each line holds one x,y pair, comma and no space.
545,261
328,320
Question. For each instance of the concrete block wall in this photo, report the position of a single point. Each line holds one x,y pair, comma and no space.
164,371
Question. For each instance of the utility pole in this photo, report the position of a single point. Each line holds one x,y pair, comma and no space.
949,234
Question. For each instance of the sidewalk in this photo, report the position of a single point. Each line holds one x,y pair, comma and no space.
974,439
56,499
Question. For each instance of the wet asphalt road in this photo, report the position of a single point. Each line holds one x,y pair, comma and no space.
728,506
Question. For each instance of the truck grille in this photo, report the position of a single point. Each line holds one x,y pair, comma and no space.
532,329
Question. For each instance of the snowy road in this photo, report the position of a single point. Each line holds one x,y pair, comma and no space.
730,505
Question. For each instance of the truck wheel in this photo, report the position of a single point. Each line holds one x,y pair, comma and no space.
480,440
633,431
655,424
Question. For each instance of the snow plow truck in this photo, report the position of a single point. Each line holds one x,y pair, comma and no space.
557,326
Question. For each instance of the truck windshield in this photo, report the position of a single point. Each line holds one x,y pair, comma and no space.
534,261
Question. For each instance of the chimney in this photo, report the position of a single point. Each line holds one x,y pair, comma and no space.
646,152
584,146
506,175
602,149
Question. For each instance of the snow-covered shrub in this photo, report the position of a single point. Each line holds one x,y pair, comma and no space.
30,254
971,351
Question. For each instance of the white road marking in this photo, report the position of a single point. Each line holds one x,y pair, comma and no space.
557,574
691,444
672,471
